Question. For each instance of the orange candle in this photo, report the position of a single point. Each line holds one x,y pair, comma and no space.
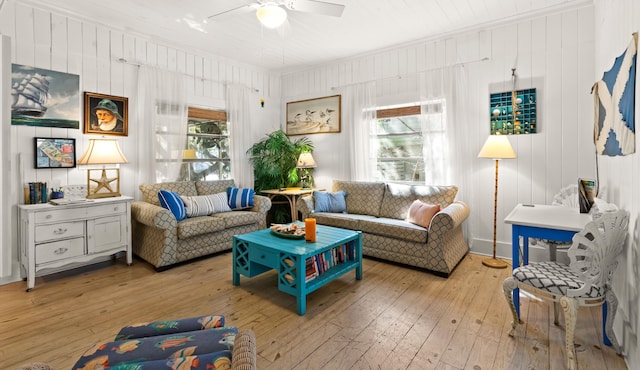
310,229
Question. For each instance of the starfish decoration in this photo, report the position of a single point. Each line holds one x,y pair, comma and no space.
104,181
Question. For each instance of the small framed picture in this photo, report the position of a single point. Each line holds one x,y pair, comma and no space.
105,114
54,152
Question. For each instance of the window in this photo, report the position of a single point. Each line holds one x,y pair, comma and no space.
409,143
207,153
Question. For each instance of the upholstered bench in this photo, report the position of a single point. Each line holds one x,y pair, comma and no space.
194,343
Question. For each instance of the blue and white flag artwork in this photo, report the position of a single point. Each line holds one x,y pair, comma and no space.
614,94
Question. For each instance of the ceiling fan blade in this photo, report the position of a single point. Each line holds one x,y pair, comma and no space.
240,9
317,7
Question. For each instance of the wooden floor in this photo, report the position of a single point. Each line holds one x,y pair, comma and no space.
395,318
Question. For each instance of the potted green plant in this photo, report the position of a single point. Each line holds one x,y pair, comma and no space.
274,160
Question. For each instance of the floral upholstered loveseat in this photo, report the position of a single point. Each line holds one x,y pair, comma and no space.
160,239
380,211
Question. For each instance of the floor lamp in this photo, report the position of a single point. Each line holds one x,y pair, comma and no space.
496,147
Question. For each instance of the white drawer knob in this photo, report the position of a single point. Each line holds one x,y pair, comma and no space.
61,251
48,217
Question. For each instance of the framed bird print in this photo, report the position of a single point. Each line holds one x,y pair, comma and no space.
314,116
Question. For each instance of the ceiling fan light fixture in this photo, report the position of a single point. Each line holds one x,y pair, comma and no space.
271,15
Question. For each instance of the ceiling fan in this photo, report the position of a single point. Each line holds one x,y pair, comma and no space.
273,13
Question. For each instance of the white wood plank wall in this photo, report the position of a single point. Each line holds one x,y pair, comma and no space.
552,53
107,61
620,176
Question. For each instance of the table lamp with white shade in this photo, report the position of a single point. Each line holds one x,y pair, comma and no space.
305,162
496,147
103,151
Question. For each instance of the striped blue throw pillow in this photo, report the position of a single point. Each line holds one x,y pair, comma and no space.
240,198
171,201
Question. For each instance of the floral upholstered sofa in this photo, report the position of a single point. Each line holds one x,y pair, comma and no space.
380,211
162,240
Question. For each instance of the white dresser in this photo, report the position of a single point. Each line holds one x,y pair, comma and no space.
54,236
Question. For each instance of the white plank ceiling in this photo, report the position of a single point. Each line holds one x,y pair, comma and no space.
305,39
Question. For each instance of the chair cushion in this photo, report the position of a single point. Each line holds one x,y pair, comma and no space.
364,197
342,220
200,225
162,347
150,329
330,202
213,187
215,360
555,278
393,228
150,191
432,194
396,201
172,201
239,218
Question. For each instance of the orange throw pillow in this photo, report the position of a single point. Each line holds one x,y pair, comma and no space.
421,213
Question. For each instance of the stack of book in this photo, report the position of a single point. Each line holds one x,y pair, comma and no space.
324,261
35,192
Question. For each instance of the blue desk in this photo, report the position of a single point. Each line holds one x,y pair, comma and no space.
544,222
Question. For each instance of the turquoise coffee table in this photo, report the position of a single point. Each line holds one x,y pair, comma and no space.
335,252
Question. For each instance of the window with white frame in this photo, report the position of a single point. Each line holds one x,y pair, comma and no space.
206,156
409,143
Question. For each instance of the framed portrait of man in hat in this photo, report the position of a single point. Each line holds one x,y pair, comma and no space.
105,114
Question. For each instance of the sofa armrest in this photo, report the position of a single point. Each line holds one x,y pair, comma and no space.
152,215
450,217
305,206
261,204
244,351
446,244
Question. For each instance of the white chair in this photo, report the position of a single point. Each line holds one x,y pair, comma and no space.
584,282
568,197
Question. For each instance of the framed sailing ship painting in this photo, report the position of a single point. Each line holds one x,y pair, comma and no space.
44,98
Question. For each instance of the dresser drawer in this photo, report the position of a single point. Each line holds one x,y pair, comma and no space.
264,257
107,209
55,251
57,215
59,231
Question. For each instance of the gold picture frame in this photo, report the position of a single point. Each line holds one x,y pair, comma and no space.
314,116
106,114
